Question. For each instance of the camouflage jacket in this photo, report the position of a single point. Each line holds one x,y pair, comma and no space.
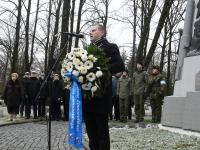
124,87
139,82
156,86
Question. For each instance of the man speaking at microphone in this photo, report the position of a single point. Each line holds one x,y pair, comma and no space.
95,111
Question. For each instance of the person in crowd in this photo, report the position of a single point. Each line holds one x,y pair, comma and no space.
115,98
65,100
96,111
32,88
55,98
13,95
124,91
139,81
155,90
130,105
42,96
23,105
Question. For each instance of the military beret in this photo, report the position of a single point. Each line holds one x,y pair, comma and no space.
155,67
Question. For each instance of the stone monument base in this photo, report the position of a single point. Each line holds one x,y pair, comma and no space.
1,112
182,110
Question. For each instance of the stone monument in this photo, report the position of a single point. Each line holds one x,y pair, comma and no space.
182,109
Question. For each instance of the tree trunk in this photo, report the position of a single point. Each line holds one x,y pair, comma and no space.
134,38
16,44
65,27
163,48
82,2
106,13
71,24
168,83
26,55
162,19
54,41
48,34
33,37
145,31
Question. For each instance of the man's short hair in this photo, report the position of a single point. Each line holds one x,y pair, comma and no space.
101,28
27,73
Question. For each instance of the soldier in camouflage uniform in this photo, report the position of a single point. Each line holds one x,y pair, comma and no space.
155,91
139,81
124,92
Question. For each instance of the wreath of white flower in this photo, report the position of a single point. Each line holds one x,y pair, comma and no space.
91,67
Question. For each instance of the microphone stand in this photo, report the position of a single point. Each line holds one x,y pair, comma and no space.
42,86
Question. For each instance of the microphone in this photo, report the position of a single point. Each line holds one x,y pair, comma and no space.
74,34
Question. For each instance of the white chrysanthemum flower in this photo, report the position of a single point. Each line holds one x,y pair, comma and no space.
99,74
84,58
88,64
91,77
75,61
80,79
94,88
78,65
65,61
98,68
83,70
64,66
90,57
94,59
71,55
83,52
75,73
87,86
77,54
81,49
69,66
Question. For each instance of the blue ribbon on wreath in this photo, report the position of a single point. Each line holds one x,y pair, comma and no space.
75,113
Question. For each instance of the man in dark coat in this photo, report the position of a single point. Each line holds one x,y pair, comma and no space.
65,99
32,87
43,96
95,111
56,96
115,98
23,104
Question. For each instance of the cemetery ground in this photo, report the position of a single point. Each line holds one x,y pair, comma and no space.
33,135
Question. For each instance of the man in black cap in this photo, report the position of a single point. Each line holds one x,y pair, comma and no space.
139,81
43,96
24,101
33,87
124,92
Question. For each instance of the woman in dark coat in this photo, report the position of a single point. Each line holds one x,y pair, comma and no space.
13,95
